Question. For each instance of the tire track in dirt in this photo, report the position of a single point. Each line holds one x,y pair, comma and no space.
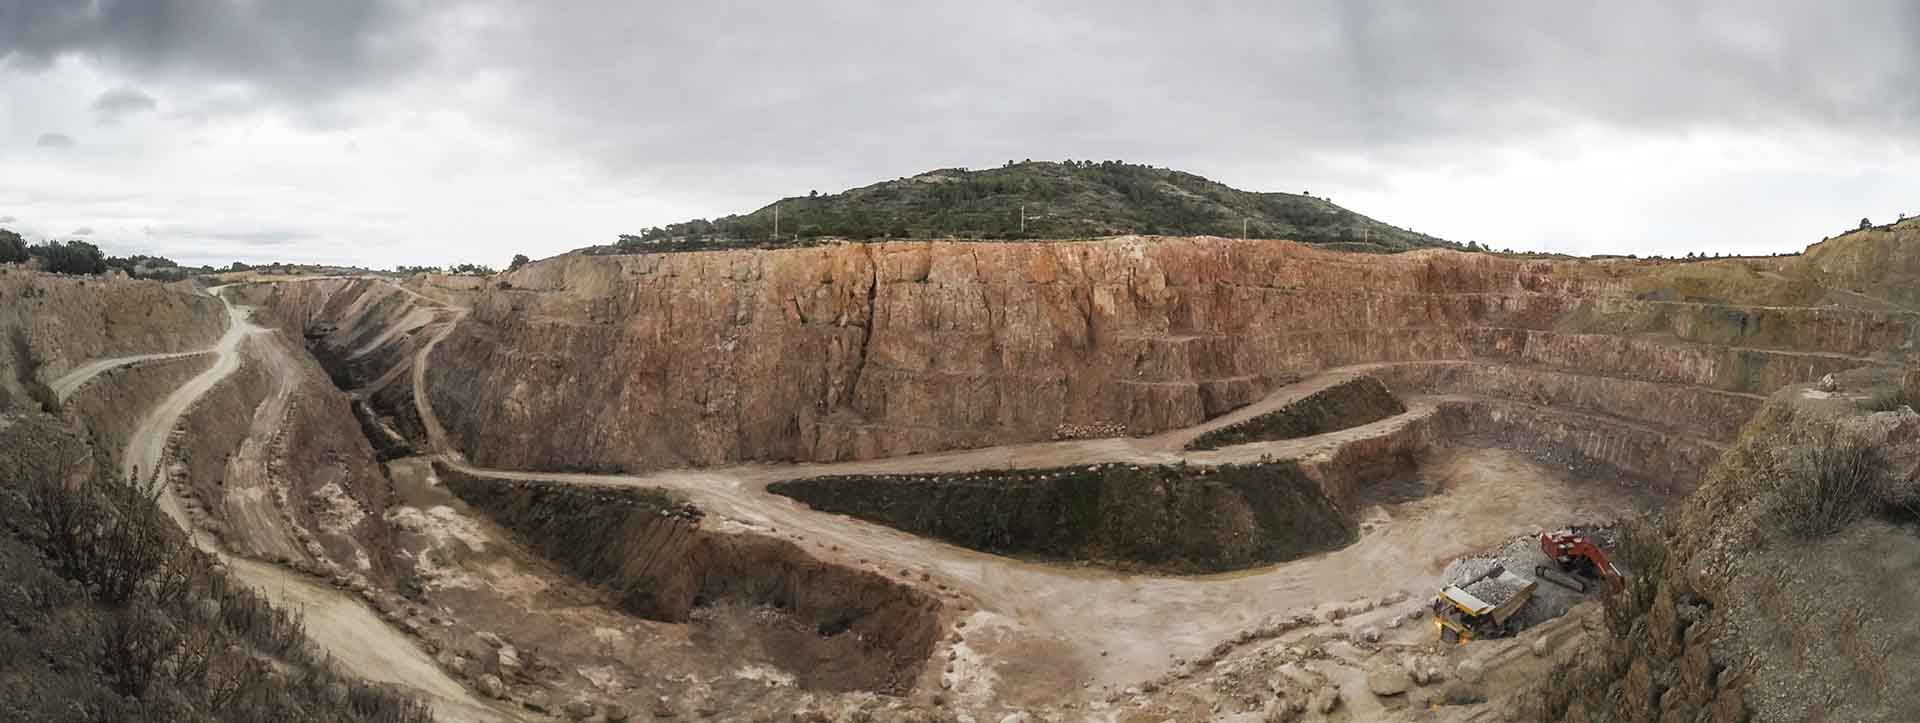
355,637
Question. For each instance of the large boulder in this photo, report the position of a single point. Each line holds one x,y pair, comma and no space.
1387,680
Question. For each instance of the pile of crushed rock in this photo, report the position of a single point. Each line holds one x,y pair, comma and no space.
1519,556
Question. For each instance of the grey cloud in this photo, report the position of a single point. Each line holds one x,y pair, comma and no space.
83,231
54,140
293,48
119,103
716,93
257,237
8,219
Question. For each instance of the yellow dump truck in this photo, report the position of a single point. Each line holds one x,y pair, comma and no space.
1482,607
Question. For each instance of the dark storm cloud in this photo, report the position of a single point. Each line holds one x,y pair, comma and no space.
54,140
119,103
289,47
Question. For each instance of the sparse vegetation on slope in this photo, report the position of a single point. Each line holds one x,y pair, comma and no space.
1035,200
109,614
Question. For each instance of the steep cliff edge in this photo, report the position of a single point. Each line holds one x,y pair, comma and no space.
862,351
1781,590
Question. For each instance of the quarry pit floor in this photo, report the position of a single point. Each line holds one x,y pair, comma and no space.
1019,633
1034,629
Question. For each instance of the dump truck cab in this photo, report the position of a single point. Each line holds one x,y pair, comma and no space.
1482,607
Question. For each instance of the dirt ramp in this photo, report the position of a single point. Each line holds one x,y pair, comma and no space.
1349,404
832,627
1173,518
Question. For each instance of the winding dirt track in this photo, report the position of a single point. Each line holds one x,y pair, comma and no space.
355,637
1093,627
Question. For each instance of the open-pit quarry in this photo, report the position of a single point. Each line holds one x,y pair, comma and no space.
1129,479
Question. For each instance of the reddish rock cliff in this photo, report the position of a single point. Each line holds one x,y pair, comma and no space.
859,351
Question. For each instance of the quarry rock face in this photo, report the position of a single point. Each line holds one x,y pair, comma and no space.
860,351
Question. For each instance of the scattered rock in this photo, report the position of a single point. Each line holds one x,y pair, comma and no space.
1470,670
491,687
509,658
1388,680
1829,384
1020,717
489,638
1541,647
1369,634
578,709
1396,621
535,701
1461,693
1326,699
614,712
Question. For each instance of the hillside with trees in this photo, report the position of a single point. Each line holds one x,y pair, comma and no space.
1034,200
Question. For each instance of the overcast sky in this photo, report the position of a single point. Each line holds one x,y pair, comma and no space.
423,131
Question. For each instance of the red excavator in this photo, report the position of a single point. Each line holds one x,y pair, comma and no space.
1576,554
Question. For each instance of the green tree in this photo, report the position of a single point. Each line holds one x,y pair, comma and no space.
519,260
72,257
13,249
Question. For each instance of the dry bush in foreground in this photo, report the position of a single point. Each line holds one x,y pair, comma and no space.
108,613
1841,481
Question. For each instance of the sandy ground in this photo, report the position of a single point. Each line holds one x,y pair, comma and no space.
353,634
1099,629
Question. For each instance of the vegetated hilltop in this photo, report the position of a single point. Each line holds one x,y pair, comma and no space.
1060,200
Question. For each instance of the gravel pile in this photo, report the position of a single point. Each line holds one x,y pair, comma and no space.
1496,591
1519,556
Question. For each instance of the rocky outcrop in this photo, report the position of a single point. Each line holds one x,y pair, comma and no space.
1779,590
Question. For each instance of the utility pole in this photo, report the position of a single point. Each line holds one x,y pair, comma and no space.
1243,228
776,219
1023,219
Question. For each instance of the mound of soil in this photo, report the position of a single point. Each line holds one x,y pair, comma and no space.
1351,403
834,627
1173,518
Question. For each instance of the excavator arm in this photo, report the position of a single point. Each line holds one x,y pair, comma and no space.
1579,555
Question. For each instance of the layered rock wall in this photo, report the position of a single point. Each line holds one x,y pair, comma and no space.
860,351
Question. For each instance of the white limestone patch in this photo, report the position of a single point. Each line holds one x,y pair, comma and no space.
441,524
337,511
773,677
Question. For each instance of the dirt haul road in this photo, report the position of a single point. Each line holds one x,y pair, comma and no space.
355,637
1094,628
